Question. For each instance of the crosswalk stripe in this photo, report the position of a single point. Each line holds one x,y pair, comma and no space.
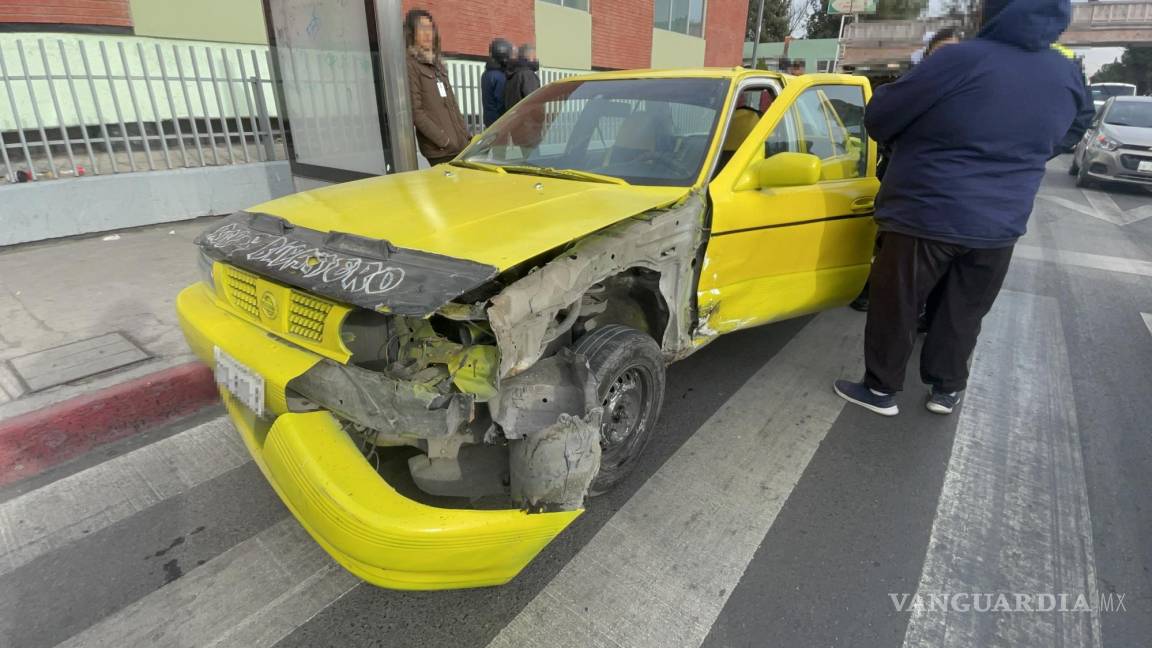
1147,320
70,508
1013,513
1084,260
1101,206
659,572
252,595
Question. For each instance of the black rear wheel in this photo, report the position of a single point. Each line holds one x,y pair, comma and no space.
628,368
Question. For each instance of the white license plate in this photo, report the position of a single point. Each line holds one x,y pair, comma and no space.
240,381
1145,167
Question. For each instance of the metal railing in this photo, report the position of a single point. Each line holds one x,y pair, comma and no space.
77,107
465,78
1112,14
1085,15
893,31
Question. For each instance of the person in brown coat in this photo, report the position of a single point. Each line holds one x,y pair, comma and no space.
440,128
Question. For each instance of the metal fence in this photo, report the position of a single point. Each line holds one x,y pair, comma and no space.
91,106
78,106
465,78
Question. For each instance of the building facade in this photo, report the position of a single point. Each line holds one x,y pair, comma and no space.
815,55
598,34
569,34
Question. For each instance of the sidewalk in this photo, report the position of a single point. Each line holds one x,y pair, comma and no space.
88,290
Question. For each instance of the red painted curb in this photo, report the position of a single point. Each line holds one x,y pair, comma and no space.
33,442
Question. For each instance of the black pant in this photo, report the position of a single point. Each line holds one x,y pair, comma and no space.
905,271
440,160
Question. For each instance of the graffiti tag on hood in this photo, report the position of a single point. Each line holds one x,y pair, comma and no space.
367,272
277,252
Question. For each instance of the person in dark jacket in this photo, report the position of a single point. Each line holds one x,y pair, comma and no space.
441,131
524,79
970,130
1087,113
494,78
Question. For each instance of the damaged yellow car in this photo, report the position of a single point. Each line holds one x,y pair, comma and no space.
435,370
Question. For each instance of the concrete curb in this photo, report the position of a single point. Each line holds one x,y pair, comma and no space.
33,442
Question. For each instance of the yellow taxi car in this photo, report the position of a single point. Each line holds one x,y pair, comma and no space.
436,369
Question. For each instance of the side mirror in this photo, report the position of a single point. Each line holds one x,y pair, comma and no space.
785,170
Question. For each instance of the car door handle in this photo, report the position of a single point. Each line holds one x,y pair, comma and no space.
864,205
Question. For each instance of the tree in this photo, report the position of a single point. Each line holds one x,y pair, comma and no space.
781,18
898,9
1134,66
820,23
965,13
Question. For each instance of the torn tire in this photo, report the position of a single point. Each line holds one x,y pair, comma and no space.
627,368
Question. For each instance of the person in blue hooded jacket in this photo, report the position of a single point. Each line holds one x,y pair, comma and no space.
970,130
495,76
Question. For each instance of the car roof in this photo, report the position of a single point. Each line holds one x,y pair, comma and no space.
678,73
1132,99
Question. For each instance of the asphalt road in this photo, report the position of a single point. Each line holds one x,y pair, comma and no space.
765,513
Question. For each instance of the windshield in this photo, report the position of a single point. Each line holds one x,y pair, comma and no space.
1130,113
641,131
1103,92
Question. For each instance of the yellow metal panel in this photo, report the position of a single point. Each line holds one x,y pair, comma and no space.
378,534
494,218
781,252
207,324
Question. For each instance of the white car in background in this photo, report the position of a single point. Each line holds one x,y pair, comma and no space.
1118,145
1102,92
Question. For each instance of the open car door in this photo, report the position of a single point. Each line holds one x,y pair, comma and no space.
792,229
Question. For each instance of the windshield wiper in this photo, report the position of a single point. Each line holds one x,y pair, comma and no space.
565,174
1117,123
482,166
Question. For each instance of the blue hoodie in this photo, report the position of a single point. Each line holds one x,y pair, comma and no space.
971,128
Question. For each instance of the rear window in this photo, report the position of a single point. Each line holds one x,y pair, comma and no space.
1130,113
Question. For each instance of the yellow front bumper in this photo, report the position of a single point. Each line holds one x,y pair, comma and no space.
369,528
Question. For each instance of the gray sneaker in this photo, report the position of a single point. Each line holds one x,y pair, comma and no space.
940,402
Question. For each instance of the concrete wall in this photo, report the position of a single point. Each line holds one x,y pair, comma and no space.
41,210
673,50
563,36
227,21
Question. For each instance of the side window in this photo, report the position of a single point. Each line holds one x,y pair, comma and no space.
845,106
828,122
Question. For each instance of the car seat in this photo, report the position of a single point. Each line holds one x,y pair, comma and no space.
744,120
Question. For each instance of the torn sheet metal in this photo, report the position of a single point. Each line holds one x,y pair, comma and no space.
370,273
552,469
523,315
533,400
376,401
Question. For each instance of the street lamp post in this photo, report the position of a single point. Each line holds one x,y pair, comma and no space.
759,25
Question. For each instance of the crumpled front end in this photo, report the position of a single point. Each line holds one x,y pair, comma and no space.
430,434
324,478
